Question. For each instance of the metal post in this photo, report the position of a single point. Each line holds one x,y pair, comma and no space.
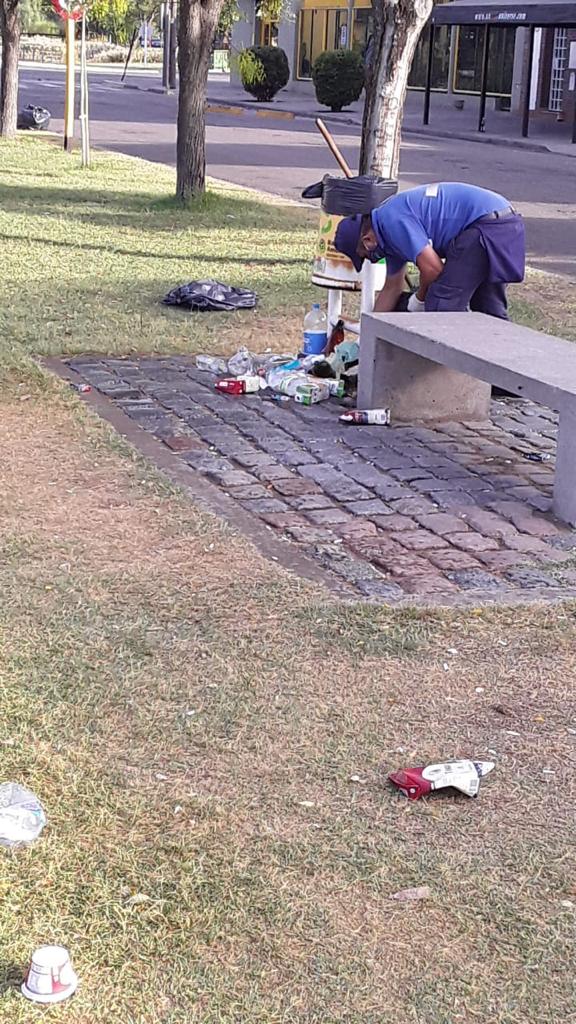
369,287
173,44
84,123
528,89
485,56
145,42
334,308
165,47
426,118
574,122
69,103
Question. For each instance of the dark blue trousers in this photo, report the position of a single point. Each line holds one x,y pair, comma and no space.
479,263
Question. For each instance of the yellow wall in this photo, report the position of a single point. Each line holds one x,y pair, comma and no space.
319,26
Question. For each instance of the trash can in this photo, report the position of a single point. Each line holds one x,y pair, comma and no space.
343,197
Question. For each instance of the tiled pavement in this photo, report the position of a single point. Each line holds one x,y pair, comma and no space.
454,514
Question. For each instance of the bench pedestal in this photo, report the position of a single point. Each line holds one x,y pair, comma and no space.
414,388
564,502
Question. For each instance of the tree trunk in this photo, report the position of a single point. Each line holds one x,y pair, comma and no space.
197,25
10,31
397,28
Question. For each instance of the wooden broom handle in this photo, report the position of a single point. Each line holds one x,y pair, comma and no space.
333,147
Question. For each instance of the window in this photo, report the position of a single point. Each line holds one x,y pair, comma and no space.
312,35
470,49
336,30
440,59
326,28
268,33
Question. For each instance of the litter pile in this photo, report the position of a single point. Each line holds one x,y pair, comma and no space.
306,379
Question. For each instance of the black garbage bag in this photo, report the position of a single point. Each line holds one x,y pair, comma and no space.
210,296
33,117
349,196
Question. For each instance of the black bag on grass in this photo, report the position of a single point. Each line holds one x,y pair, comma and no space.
210,296
33,117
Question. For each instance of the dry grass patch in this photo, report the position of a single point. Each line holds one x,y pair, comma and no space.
193,718
210,735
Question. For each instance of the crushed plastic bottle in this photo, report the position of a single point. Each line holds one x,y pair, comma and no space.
298,385
241,362
271,360
22,816
211,364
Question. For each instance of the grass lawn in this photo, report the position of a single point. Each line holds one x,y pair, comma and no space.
87,257
211,736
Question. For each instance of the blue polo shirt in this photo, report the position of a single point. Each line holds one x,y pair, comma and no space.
409,221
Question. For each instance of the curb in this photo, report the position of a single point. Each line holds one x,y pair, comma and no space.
289,115
486,140
239,108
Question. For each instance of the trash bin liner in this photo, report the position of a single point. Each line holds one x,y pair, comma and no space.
346,197
34,117
210,296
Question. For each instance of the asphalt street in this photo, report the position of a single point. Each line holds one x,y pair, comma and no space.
285,156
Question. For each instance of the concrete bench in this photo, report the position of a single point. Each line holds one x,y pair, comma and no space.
439,366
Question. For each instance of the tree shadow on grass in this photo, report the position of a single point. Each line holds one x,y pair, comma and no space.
126,209
192,257
11,977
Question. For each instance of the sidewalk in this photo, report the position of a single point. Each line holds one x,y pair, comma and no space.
446,121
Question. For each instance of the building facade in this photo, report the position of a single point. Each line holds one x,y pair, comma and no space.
318,25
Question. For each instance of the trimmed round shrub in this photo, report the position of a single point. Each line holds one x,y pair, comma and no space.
338,77
264,70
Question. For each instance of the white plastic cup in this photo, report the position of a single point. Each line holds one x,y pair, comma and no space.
51,977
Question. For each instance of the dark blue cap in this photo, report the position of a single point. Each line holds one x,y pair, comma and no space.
347,239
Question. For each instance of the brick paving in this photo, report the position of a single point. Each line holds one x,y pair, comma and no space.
457,513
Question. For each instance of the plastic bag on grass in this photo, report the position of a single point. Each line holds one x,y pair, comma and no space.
210,296
33,117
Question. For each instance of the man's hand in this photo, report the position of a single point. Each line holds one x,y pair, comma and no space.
430,266
415,305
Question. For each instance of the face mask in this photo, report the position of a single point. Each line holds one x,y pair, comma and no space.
377,255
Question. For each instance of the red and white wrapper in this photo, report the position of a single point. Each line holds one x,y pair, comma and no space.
462,775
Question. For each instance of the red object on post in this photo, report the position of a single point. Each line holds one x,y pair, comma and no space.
66,10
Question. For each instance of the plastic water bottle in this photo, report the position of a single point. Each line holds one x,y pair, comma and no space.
315,331
22,816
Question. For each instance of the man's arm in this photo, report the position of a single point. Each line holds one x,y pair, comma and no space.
430,266
393,287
